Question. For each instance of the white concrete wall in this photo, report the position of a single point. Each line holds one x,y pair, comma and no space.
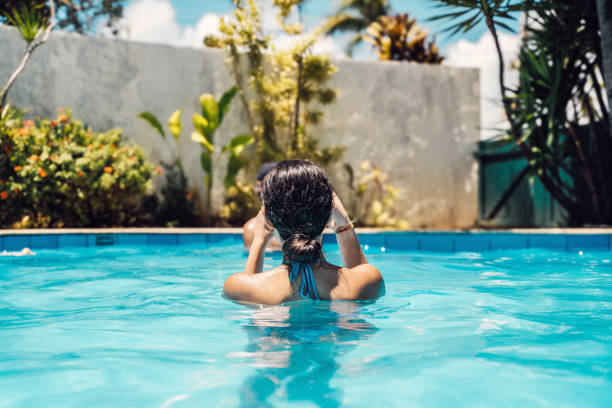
419,123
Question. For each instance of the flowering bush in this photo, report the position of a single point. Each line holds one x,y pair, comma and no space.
58,173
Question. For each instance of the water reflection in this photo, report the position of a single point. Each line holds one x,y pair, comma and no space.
295,348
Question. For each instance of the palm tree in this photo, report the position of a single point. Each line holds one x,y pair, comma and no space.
604,13
356,16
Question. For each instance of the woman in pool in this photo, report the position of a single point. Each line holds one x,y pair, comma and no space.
298,203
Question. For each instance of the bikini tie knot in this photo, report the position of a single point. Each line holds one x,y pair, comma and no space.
308,288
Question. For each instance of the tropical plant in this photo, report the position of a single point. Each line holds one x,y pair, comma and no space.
212,114
376,199
560,89
81,16
34,28
205,124
604,13
59,173
278,86
178,207
399,38
356,16
241,204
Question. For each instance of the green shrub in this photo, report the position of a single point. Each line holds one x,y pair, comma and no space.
58,173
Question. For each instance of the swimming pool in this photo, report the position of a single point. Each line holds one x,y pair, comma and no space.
140,325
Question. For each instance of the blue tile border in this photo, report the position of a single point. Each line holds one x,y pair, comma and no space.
402,241
508,241
73,240
389,240
600,242
44,241
548,241
162,239
442,242
15,242
473,243
132,239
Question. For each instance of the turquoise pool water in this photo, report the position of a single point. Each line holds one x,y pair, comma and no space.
146,327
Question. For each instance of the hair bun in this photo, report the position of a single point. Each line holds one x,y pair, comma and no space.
301,248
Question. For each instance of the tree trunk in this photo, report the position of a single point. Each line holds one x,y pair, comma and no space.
604,13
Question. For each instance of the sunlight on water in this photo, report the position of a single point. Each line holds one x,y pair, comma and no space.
147,327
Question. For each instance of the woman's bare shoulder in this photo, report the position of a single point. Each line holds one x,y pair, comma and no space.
363,282
255,288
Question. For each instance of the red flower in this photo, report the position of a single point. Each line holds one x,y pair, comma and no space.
108,169
17,168
4,195
63,118
42,173
34,158
53,123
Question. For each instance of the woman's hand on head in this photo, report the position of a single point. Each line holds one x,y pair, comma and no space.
263,228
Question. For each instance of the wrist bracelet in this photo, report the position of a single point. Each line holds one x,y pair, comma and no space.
346,227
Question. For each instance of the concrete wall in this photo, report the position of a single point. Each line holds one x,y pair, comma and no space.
419,123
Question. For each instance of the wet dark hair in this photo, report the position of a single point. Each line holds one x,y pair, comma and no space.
298,199
264,169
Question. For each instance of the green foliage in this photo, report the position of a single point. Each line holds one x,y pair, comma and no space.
560,65
237,160
560,90
205,126
58,173
206,123
81,16
399,38
178,206
278,87
153,121
377,199
467,14
240,204
356,16
28,21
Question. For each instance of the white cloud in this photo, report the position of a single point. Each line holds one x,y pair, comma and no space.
207,24
482,54
155,21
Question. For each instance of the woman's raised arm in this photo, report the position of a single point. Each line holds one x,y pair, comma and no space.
262,235
350,250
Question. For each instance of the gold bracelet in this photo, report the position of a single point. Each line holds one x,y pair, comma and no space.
346,227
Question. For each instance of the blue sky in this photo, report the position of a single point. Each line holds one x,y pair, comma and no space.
189,12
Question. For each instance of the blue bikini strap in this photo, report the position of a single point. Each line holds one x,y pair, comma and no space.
308,288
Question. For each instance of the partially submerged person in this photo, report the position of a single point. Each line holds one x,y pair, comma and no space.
298,203
248,229
23,252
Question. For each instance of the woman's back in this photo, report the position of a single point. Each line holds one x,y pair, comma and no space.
299,202
332,282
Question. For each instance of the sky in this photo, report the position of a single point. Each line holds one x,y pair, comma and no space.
188,12
186,22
